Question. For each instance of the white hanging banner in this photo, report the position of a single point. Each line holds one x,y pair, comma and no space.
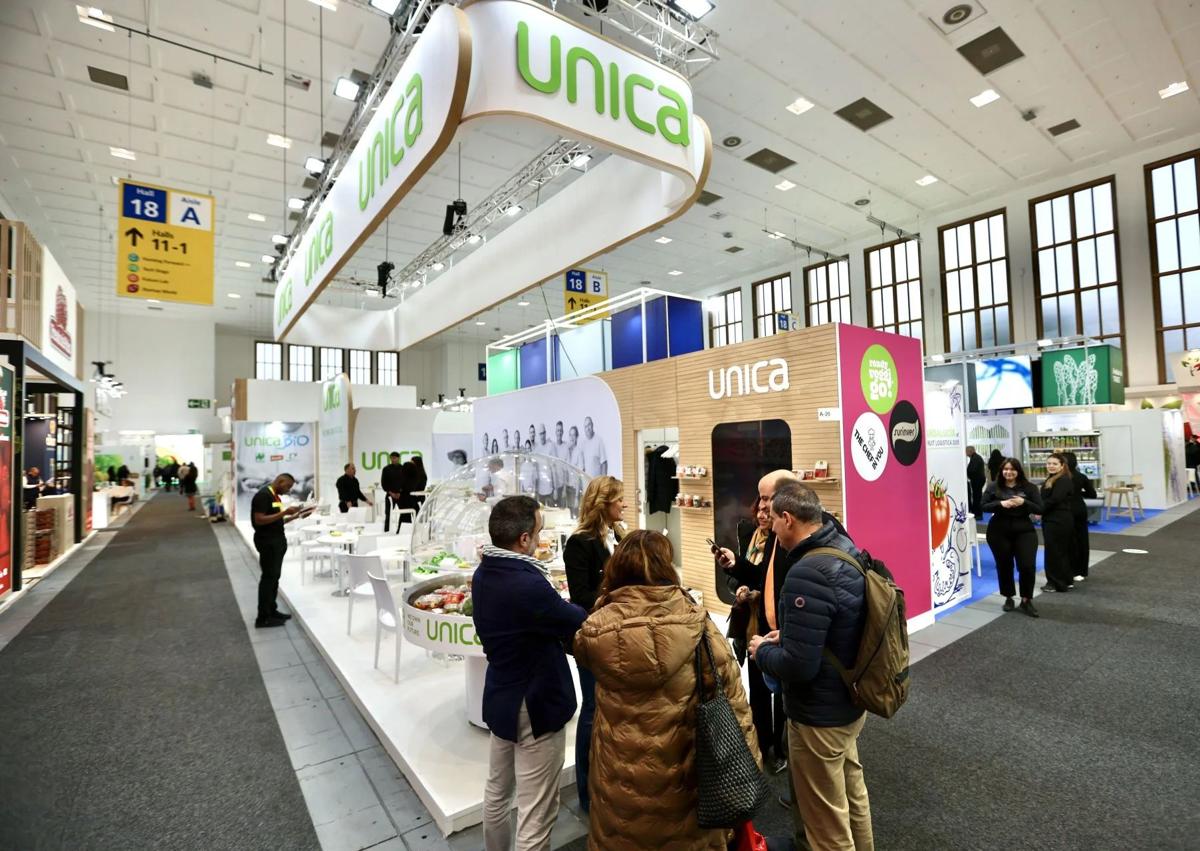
334,443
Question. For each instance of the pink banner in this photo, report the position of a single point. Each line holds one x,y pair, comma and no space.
883,454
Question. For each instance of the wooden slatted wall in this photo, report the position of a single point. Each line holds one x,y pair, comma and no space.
20,282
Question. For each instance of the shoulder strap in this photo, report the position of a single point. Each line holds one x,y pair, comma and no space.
838,554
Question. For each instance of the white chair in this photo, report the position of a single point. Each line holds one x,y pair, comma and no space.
367,542
356,516
359,569
318,553
386,619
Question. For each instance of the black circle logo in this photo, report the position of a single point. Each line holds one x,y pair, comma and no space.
906,434
957,14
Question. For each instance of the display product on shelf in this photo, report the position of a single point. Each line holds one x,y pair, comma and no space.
1038,446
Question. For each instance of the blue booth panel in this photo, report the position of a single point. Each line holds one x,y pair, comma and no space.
674,326
533,363
685,321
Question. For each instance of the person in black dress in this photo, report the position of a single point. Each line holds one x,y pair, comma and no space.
585,554
1083,489
349,491
1012,500
976,478
994,463
1058,524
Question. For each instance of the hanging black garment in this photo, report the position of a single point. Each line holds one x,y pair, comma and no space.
661,485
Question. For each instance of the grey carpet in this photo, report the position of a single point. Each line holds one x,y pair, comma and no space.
1080,730
132,711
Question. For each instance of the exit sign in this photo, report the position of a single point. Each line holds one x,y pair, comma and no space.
199,403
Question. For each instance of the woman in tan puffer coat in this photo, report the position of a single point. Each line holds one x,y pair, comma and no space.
640,642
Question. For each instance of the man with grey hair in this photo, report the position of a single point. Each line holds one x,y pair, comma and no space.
821,613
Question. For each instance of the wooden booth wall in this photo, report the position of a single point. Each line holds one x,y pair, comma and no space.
21,273
674,392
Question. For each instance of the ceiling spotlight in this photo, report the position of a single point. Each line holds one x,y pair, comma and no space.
674,273
388,7
799,106
256,217
233,295
279,239
93,17
985,97
927,180
241,264
663,240
346,89
581,161
1173,89
268,258
384,275
456,211
473,239
513,210
279,141
295,203
785,185
694,9
314,165
122,153
438,266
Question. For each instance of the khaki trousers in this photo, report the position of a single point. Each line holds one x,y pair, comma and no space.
830,790
529,771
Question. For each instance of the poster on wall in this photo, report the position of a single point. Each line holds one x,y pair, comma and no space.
577,421
334,438
988,434
1174,456
883,402
264,450
951,549
6,480
59,334
378,432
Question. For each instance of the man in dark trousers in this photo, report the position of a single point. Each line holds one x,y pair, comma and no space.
976,478
391,480
349,491
267,516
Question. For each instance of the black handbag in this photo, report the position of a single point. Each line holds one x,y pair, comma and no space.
731,785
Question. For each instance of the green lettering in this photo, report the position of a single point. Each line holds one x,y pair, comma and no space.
366,182
551,85
574,55
415,107
397,153
678,111
327,233
614,91
378,152
431,629
637,81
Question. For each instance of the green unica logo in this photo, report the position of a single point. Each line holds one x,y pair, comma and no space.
379,460
879,379
333,396
387,148
320,248
285,302
672,119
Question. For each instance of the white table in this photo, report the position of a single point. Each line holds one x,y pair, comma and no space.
345,540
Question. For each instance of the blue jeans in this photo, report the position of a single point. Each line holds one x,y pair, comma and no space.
583,735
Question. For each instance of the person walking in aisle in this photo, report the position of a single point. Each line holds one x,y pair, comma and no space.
1058,525
995,462
188,474
1010,534
822,608
976,479
391,482
267,516
528,695
1083,489
1191,457
585,554
642,642
349,491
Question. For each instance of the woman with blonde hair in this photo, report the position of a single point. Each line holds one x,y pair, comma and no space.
640,642
585,555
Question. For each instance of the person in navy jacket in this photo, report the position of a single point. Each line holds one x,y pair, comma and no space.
822,607
528,695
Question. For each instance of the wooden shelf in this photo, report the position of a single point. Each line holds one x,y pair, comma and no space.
695,507
825,481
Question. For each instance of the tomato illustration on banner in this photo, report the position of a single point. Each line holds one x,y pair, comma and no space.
939,513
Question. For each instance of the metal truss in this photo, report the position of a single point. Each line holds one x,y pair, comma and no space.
676,40
801,246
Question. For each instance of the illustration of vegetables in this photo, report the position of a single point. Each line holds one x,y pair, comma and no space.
939,512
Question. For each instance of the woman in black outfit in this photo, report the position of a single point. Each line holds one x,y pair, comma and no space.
1081,553
1058,524
585,554
995,462
1011,500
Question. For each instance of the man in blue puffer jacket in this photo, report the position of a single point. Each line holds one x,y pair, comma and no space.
821,607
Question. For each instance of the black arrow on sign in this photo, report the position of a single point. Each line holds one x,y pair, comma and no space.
134,235
571,303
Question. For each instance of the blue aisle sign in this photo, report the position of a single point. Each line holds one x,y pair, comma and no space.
783,322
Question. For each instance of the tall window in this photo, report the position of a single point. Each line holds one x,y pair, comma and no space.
332,363
827,288
894,281
387,368
268,361
360,366
725,318
975,286
1175,254
771,297
1075,262
300,363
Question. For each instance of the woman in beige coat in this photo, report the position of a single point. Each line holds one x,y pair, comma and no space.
640,642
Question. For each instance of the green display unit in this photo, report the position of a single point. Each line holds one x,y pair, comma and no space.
502,372
1081,377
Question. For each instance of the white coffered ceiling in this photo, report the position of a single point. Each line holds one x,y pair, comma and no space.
1100,62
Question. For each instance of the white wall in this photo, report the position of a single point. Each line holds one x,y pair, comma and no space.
1141,359
234,359
286,401
163,363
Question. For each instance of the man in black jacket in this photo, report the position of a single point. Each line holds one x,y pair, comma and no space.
976,479
349,491
391,481
821,610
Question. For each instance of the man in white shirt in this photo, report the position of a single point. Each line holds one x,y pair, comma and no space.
595,456
546,474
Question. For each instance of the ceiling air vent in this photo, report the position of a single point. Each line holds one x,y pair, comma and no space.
991,51
864,114
297,82
108,78
265,295
769,160
706,198
733,249
731,141
1065,127
202,80
152,307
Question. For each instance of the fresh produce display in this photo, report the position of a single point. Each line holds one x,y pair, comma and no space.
446,600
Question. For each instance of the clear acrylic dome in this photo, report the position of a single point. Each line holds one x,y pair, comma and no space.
454,518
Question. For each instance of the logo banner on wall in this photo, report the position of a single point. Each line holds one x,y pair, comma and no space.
883,404
578,421
378,432
6,480
334,443
264,450
950,547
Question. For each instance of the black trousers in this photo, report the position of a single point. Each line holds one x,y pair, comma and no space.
270,558
1058,538
1008,547
975,497
389,505
1082,551
767,711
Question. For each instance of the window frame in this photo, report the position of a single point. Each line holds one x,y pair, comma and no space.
918,280
810,303
320,362
312,365
278,347
376,376
974,265
1152,227
729,325
370,367
1077,291
775,309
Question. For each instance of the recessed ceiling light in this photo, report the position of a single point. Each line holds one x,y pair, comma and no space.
233,295
581,161
93,17
862,202
473,239
927,180
663,240
279,239
314,165
1173,89
331,5
513,210
785,185
522,303
152,300
295,203
674,273
346,89
438,266
480,322
279,141
385,6
241,264
799,106
122,153
256,217
938,358
985,97
268,258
